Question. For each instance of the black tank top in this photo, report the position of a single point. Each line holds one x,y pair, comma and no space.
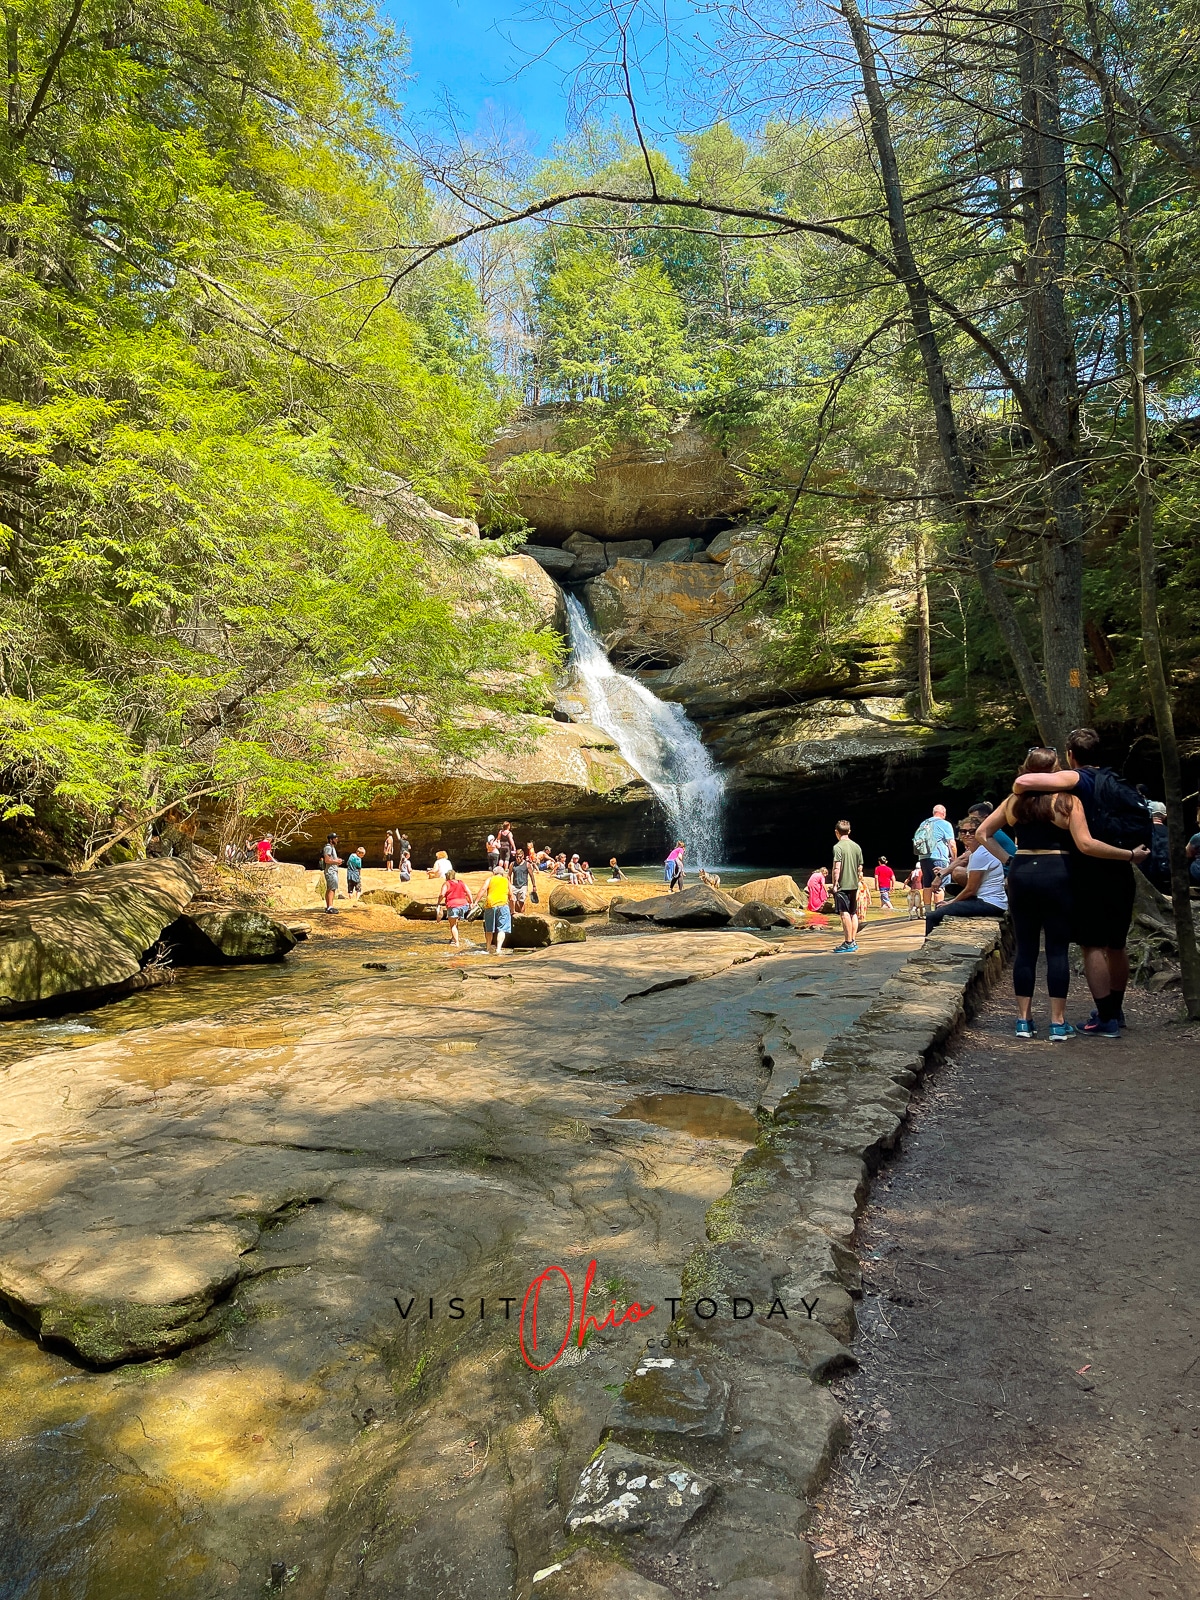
1041,836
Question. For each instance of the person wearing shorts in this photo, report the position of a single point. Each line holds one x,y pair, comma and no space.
934,842
497,917
389,848
455,899
330,862
847,875
520,880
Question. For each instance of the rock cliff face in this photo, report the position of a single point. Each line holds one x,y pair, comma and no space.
653,547
563,784
799,749
639,492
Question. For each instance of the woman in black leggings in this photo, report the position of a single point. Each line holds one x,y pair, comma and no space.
1046,828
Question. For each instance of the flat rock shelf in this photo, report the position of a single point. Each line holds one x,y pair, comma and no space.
267,1249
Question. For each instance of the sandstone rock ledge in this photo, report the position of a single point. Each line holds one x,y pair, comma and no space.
84,939
732,1397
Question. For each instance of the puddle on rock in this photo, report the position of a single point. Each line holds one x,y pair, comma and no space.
704,1116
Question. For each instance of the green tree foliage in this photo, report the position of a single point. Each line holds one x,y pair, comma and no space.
214,427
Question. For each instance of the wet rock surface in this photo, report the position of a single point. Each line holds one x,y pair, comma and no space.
360,1148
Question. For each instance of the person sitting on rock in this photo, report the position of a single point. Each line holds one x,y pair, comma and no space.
405,868
817,889
615,875
585,873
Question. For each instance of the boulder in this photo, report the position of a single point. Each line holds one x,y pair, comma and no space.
756,914
583,899
780,891
539,588
588,554
678,550
85,938
222,936
698,907
558,563
622,1491
399,899
578,899
629,550
534,932
418,910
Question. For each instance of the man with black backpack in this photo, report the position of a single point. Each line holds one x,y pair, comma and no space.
1102,892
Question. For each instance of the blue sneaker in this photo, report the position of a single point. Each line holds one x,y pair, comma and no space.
840,949
1025,1030
847,949
1062,1030
1102,1030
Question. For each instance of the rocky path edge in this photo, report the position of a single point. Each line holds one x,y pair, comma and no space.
719,1439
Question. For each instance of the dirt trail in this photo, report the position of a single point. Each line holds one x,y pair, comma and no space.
1026,1418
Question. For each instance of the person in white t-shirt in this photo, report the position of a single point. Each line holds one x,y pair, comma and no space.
983,894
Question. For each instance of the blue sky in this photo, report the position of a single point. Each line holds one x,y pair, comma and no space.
480,53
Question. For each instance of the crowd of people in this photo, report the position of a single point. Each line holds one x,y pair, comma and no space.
1056,856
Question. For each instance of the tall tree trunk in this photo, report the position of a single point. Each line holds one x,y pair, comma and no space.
924,670
1049,718
1156,676
1152,651
1051,376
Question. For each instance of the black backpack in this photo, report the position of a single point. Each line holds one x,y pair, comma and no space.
1120,815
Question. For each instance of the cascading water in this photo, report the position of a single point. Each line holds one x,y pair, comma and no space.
658,740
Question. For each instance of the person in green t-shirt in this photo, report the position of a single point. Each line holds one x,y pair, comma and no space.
847,874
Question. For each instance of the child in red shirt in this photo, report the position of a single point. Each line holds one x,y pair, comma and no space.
884,879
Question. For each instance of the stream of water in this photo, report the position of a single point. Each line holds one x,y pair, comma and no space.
657,738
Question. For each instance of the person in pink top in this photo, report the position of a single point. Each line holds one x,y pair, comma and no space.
673,868
818,889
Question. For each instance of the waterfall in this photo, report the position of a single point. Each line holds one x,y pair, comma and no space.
657,738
